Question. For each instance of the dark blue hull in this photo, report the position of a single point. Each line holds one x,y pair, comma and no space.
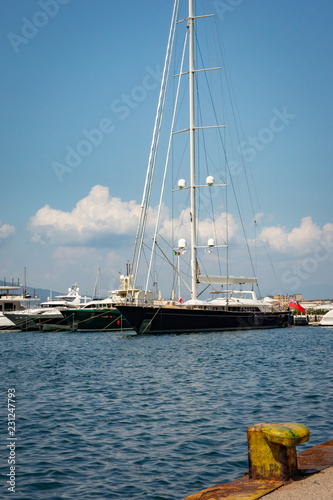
183,320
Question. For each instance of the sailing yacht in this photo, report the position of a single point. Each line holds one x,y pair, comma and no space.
228,308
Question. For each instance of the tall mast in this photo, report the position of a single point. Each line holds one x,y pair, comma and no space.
192,154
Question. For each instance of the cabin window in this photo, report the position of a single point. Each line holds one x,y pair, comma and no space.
9,307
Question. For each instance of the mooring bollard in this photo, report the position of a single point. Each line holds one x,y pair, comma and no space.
272,449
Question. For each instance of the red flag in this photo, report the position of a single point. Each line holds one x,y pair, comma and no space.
181,300
295,305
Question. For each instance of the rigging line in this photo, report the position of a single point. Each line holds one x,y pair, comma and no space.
163,255
170,247
272,265
226,172
219,132
186,273
205,153
20,322
95,287
239,213
144,222
166,257
182,158
234,105
144,208
109,310
150,322
217,233
155,155
145,258
234,190
175,231
152,273
224,63
225,159
255,248
109,324
266,248
166,162
250,172
202,291
214,162
96,315
183,214
150,250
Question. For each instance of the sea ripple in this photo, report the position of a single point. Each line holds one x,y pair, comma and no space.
107,416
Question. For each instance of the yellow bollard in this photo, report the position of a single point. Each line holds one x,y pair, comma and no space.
272,449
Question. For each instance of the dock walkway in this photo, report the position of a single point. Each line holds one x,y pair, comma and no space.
316,487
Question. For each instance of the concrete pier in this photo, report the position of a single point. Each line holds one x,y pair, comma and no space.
316,487
313,481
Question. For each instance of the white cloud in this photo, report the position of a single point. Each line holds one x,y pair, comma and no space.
300,240
83,258
6,231
206,229
99,216
96,216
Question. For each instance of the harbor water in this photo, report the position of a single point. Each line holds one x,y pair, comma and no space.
118,416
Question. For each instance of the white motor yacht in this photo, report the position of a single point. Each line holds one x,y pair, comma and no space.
48,316
12,303
327,319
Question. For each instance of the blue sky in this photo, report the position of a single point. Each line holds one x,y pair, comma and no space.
76,70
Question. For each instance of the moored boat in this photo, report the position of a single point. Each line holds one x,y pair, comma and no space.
182,319
102,314
48,316
13,303
327,319
234,310
99,316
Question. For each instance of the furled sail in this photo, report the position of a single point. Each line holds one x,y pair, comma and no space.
225,280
